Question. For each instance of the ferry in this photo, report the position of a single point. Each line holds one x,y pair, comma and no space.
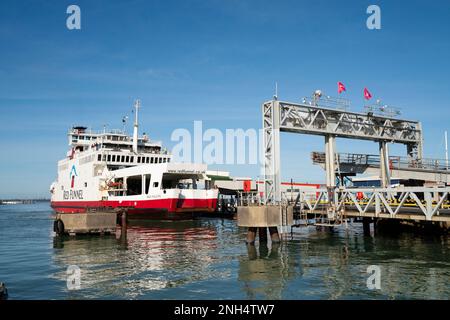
112,170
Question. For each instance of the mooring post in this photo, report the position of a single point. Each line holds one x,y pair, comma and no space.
274,235
366,226
124,224
251,235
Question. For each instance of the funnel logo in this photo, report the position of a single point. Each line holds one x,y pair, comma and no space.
73,194
73,174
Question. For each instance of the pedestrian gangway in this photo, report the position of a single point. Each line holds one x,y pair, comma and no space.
426,169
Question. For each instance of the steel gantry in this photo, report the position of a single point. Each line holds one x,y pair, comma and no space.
313,117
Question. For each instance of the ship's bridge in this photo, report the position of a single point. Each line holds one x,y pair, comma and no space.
83,139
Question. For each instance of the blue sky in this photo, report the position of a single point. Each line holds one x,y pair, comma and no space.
215,61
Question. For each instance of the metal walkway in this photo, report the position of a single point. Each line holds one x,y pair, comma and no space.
432,170
407,203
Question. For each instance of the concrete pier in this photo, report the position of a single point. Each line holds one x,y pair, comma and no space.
266,219
84,223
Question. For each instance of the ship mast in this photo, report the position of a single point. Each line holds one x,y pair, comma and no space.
137,105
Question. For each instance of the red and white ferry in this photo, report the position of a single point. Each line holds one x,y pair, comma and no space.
105,170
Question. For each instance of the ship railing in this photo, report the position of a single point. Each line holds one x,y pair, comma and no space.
382,110
328,102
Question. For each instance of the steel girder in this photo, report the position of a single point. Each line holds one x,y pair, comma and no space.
309,119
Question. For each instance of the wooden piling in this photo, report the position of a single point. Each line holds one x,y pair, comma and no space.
124,221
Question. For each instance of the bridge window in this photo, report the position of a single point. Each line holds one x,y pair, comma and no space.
109,157
99,157
134,185
114,158
171,181
123,158
127,159
131,159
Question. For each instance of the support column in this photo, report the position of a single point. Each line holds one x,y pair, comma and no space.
271,140
385,179
330,166
276,152
415,149
262,234
251,235
274,236
420,144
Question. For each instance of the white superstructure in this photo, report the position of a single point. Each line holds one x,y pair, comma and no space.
111,169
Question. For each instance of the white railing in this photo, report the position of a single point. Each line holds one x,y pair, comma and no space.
428,202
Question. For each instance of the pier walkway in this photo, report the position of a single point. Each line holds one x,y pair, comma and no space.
430,170
406,203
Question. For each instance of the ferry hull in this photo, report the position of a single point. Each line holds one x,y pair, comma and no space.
158,209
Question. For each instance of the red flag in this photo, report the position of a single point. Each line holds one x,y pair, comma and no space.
247,185
367,94
341,87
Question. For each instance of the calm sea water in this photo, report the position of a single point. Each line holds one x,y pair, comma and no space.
208,259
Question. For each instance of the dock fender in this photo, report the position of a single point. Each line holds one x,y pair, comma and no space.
58,226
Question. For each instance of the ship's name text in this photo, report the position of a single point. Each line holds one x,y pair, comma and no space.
73,194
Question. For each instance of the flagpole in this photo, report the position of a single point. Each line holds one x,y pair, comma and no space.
446,150
276,91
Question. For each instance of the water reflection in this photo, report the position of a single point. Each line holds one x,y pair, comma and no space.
266,270
152,256
208,259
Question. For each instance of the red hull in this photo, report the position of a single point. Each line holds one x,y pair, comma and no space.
159,208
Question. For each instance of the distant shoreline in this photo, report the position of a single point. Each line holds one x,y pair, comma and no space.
21,201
